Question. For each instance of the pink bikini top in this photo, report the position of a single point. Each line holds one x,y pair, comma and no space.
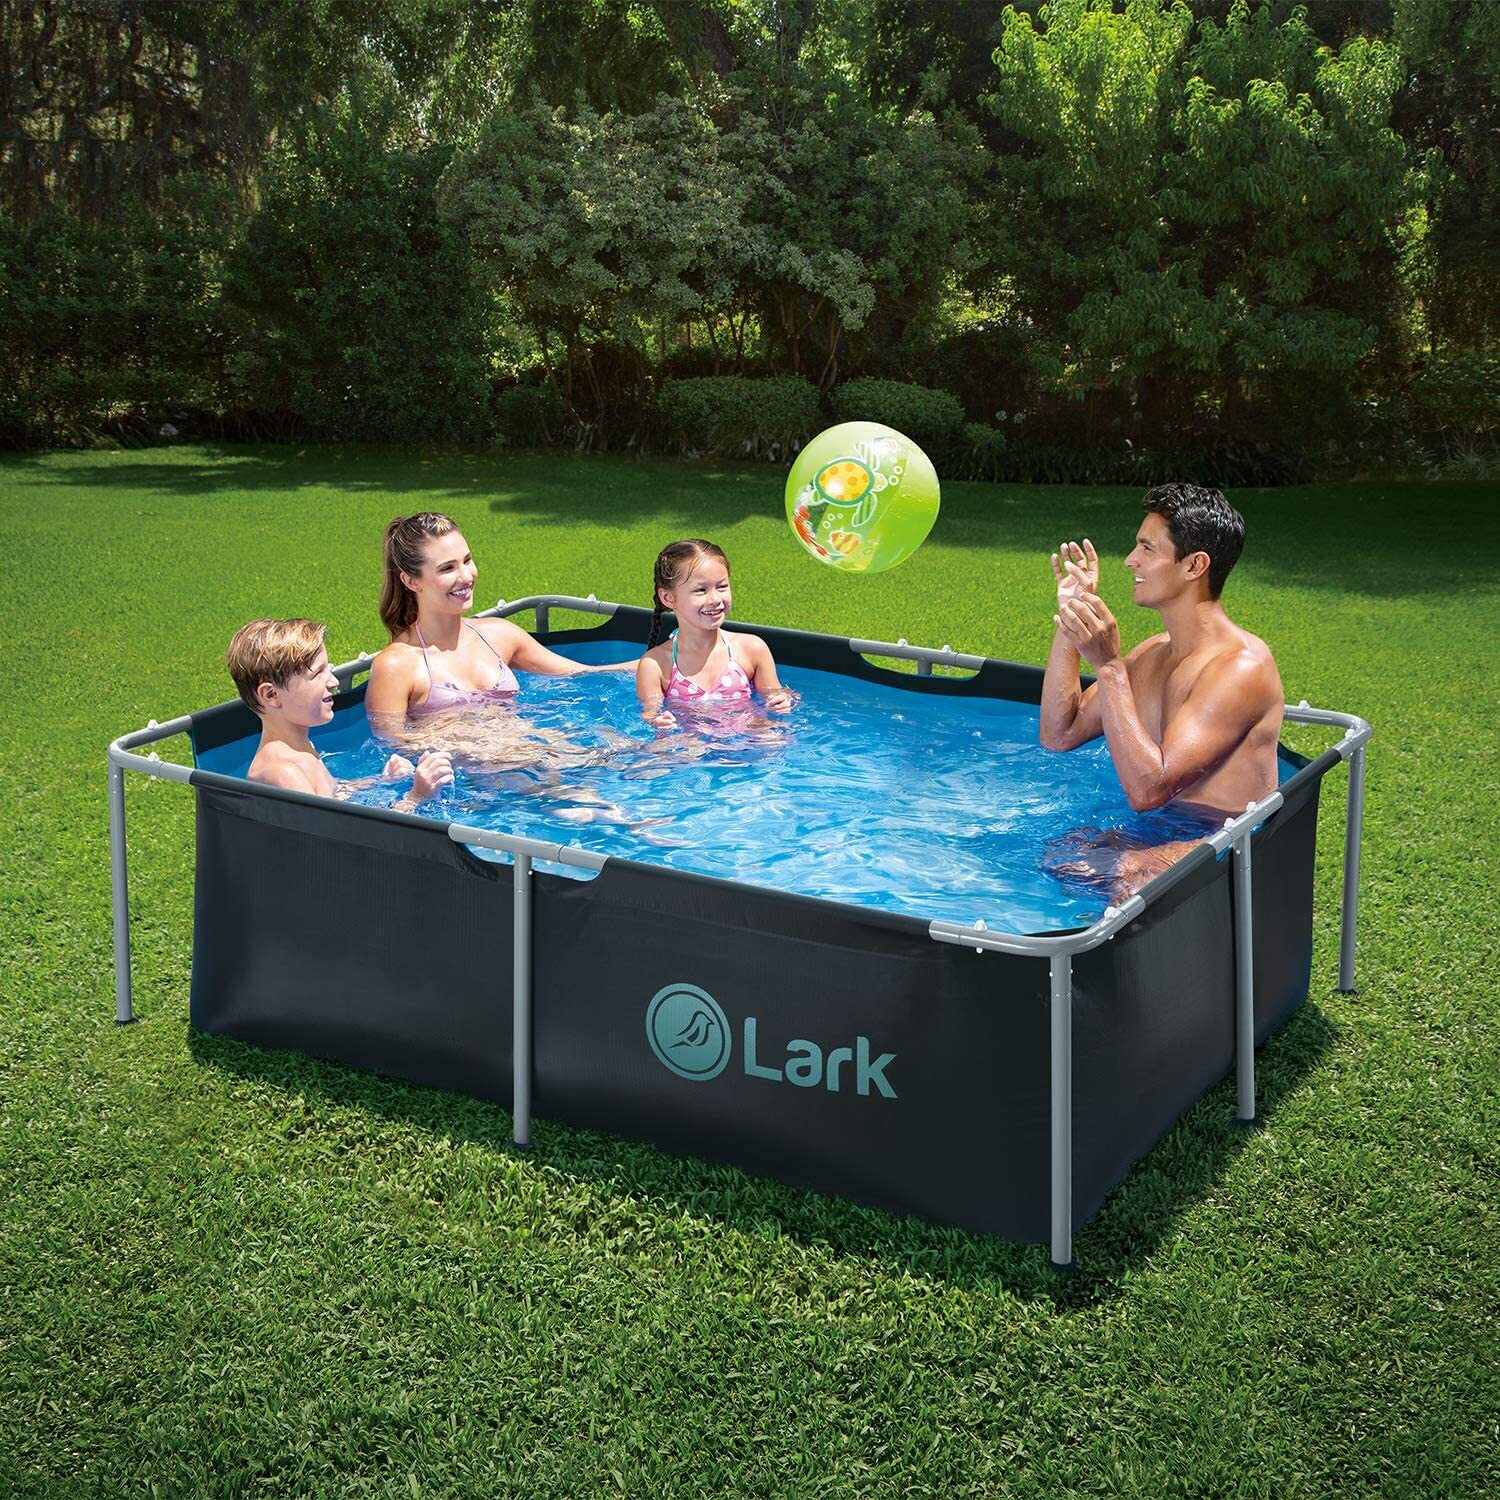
445,695
732,687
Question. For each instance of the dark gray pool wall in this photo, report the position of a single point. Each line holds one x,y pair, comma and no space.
887,1068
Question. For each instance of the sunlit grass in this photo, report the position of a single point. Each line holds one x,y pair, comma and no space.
228,1272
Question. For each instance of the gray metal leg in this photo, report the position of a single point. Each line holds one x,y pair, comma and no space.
1353,827
521,1006
120,892
543,618
1244,983
1062,1109
924,667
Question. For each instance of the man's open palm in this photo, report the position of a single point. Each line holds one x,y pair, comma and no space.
1076,570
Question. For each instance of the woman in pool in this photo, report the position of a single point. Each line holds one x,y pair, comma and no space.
700,665
437,660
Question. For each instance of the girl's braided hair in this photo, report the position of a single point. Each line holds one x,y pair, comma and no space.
673,563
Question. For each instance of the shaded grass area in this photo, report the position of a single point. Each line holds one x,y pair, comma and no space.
233,1272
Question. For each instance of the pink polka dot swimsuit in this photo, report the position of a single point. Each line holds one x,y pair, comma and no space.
733,686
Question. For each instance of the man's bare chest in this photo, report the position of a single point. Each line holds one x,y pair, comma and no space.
1161,686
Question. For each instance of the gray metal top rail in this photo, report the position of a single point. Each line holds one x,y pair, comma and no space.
1357,732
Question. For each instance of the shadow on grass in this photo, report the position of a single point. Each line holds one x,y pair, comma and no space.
1176,1175
1376,539
546,489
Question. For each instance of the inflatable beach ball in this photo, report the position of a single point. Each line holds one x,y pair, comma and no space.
861,497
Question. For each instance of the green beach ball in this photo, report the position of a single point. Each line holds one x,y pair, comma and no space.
861,497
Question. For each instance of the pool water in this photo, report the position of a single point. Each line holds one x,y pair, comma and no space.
934,807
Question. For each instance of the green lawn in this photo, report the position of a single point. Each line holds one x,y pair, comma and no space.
228,1272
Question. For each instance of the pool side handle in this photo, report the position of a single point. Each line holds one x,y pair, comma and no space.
544,604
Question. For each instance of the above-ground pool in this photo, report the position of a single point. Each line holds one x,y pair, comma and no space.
822,947
933,807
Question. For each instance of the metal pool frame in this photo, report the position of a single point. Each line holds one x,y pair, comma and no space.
1059,950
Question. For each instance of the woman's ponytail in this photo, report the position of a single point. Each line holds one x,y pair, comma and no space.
402,551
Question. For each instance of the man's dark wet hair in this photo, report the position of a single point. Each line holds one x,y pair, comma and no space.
1200,520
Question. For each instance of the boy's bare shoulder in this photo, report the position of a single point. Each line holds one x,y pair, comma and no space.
293,770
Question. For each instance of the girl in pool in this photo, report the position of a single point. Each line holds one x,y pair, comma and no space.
700,665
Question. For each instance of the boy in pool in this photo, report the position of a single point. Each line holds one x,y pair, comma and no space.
1191,716
281,670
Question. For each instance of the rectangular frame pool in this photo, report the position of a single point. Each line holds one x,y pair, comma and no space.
1003,1082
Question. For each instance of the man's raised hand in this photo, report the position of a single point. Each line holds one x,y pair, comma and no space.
1086,621
1076,570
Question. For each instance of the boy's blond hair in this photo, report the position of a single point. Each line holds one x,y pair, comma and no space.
272,651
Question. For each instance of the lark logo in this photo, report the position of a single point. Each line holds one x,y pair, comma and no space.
690,1035
688,1032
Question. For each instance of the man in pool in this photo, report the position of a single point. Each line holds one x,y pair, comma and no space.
281,670
1191,716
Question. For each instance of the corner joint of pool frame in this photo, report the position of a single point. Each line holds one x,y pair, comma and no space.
1357,731
1355,738
121,754
977,935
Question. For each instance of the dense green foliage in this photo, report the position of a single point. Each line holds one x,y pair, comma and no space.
97,320
1450,110
348,307
529,414
1246,236
232,1272
1203,220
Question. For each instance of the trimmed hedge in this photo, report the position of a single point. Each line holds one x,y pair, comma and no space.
925,415
736,416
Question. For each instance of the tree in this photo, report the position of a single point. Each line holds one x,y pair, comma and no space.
114,327
1449,107
599,225
866,217
348,301
1199,223
106,100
